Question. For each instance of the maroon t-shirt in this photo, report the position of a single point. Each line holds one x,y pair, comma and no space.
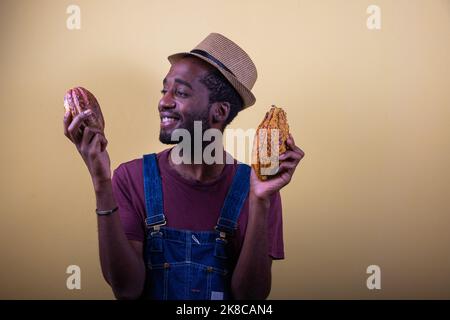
188,204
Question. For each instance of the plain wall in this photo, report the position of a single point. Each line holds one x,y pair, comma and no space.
370,108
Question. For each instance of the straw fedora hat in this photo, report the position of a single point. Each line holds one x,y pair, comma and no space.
233,62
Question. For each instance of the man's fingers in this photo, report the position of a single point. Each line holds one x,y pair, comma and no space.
66,122
100,143
285,166
103,143
291,144
95,143
89,143
290,155
291,137
88,134
76,124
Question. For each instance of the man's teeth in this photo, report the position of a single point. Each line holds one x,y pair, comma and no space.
168,120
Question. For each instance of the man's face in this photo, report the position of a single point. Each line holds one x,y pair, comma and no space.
184,98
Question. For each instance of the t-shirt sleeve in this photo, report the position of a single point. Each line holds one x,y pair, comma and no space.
275,232
129,216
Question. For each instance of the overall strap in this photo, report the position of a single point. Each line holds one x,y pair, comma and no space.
234,200
153,192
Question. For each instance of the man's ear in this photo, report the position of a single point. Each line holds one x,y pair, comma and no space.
220,111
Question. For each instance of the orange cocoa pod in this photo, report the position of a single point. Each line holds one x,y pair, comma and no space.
275,119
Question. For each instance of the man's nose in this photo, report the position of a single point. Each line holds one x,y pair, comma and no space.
166,101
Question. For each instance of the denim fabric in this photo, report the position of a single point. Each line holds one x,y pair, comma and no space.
185,264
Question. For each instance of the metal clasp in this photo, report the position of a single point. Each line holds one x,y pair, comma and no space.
156,226
222,237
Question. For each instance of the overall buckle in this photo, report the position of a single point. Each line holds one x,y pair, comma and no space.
155,226
222,235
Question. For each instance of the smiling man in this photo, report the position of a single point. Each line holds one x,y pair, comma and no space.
185,230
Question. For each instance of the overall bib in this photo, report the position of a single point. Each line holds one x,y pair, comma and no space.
184,264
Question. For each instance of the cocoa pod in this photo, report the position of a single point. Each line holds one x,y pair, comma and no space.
77,100
275,119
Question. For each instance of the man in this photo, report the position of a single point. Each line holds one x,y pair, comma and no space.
170,230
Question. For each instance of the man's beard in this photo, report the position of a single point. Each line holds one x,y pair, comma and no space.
165,136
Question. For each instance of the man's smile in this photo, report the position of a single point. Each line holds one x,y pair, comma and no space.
168,120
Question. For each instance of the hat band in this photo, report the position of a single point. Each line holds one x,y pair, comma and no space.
210,57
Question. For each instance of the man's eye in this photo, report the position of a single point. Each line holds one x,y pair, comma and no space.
163,91
182,94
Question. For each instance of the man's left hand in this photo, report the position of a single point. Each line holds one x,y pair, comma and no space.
287,165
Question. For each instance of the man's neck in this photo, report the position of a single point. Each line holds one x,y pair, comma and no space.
199,172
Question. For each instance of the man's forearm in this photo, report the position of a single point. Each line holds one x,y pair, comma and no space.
252,275
122,267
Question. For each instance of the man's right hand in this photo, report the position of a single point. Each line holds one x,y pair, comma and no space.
91,144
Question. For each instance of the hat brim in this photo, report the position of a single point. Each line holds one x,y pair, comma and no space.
247,96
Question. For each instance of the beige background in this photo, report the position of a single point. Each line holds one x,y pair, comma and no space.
371,109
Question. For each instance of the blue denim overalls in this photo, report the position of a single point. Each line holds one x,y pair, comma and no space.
184,264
